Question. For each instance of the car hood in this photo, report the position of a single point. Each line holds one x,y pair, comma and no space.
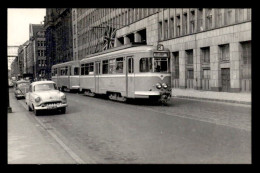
49,95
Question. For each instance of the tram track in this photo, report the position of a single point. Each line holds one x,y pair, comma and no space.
212,119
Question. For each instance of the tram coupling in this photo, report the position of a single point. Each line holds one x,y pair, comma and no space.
165,97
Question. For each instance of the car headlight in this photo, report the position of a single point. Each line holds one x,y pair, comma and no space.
37,99
164,85
158,86
63,97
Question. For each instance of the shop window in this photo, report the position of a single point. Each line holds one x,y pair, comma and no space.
206,74
224,52
205,55
189,56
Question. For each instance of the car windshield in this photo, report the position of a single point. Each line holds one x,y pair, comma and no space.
45,87
23,85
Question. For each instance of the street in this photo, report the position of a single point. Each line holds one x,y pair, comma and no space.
98,130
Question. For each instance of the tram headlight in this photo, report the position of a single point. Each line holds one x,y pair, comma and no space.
164,85
158,86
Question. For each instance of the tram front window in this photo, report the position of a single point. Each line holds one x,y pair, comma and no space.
146,65
161,64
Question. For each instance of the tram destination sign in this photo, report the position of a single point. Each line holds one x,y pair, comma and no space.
160,54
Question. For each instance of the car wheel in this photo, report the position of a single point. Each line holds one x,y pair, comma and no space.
63,110
29,108
36,112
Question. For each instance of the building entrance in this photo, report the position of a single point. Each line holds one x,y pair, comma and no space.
225,79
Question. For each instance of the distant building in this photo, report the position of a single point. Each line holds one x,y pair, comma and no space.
37,50
58,26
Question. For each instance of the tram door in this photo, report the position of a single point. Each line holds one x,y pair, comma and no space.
130,79
97,73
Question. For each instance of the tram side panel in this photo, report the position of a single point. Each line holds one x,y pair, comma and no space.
87,82
74,82
112,83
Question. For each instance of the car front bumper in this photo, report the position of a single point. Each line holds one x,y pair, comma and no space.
56,106
19,95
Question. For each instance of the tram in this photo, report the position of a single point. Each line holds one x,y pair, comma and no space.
135,72
66,75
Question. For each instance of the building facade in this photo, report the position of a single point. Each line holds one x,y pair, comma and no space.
22,58
59,46
210,48
37,50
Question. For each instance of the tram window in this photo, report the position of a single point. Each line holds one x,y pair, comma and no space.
119,65
160,64
91,68
86,69
112,65
105,67
146,65
130,65
82,69
76,71
66,71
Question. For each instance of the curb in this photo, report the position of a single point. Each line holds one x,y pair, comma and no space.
212,99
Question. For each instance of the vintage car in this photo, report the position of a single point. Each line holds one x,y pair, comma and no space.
44,95
21,87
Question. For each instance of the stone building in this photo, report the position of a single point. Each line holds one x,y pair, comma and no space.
22,58
37,50
210,48
58,27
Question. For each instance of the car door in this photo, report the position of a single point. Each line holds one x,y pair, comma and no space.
27,96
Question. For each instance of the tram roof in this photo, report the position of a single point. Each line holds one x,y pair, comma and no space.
66,63
142,48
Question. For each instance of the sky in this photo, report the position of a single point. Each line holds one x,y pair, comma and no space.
18,23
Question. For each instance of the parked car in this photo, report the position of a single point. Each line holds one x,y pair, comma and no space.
44,95
21,87
10,83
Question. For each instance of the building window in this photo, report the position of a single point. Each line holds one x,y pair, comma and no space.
205,55
246,60
178,24
206,74
185,24
224,52
248,14
176,65
189,57
192,22
166,30
190,74
200,19
209,18
146,65
172,27
160,31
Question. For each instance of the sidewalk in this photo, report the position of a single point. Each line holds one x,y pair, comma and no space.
242,98
28,142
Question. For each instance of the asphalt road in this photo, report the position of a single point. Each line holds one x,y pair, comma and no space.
98,130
